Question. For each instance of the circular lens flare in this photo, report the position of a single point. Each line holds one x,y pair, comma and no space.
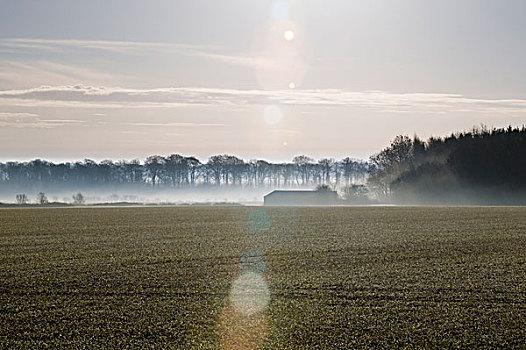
249,293
272,114
252,261
288,35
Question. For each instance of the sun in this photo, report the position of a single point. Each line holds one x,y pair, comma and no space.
288,35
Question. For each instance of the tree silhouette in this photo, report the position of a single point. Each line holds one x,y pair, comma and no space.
153,166
41,198
21,198
78,199
484,164
478,166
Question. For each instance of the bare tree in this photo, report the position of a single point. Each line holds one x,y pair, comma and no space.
302,162
180,171
193,163
154,165
323,188
21,198
78,199
390,163
356,194
41,198
215,165
326,164
176,169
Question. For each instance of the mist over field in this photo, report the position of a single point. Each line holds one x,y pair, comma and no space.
262,175
477,167
141,195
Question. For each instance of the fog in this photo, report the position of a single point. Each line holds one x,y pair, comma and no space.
111,194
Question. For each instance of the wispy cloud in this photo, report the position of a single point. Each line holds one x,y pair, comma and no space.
59,45
184,125
36,72
80,96
34,62
14,45
30,120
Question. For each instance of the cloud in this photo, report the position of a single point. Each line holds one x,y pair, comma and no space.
30,120
179,124
59,45
33,62
37,72
80,96
21,45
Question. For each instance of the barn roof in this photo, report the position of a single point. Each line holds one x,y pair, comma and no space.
299,192
291,191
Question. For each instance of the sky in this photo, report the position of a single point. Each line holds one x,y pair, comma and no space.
124,79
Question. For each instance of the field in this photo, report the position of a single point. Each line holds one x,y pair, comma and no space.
257,277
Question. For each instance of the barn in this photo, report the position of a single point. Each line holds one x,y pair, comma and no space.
301,197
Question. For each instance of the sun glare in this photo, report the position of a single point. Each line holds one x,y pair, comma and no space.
288,35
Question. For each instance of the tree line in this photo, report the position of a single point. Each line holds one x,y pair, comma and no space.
479,166
178,171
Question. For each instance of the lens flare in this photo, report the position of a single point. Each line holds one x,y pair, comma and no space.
283,56
252,261
288,35
241,332
249,294
258,221
272,114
